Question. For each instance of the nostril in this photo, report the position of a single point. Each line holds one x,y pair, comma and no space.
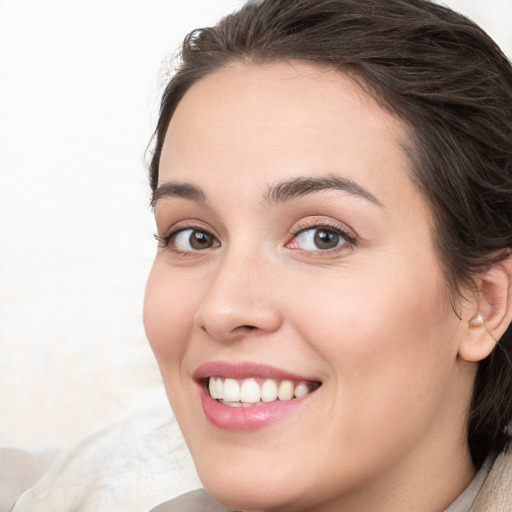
238,329
244,329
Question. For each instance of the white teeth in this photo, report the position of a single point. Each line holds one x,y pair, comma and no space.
286,390
232,404
219,388
214,388
269,391
301,389
248,392
231,392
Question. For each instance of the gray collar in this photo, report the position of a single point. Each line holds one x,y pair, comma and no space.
465,501
195,501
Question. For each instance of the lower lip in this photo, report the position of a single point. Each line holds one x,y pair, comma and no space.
247,418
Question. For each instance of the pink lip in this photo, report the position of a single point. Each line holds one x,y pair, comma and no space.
245,370
246,418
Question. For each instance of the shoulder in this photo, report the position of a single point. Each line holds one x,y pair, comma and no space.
195,501
496,492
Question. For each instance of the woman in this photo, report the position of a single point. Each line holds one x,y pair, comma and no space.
329,303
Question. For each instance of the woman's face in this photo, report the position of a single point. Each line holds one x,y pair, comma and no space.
296,257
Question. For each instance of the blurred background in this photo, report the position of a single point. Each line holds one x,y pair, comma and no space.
79,93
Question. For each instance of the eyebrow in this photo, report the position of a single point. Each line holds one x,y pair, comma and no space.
174,189
278,193
301,186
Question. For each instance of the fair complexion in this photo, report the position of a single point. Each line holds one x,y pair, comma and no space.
294,246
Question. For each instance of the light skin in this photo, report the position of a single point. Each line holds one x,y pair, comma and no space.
370,317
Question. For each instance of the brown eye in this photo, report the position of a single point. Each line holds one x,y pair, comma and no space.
325,239
189,240
200,240
321,239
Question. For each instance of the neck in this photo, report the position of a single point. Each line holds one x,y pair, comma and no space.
422,486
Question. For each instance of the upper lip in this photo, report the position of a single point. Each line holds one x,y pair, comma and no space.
243,370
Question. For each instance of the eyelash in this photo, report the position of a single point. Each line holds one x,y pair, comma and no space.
165,241
351,241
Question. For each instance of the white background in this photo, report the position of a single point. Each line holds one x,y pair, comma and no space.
79,92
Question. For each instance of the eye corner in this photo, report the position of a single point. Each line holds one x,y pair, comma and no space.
162,240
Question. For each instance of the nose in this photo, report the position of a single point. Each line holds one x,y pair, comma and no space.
240,301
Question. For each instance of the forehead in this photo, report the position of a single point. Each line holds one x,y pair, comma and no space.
255,124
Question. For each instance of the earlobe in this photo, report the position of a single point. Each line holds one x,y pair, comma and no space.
479,341
491,313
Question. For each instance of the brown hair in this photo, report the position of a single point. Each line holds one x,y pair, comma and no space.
450,84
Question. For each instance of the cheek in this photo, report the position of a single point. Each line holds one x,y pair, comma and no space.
385,339
168,317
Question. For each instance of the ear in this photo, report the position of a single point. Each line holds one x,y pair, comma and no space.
489,313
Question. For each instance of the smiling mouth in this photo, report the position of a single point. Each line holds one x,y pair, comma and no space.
257,392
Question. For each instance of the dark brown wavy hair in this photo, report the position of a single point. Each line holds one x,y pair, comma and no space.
450,84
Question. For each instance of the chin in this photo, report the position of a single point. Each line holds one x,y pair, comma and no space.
256,479
249,494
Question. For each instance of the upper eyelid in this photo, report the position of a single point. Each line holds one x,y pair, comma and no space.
188,224
313,222
349,239
319,225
